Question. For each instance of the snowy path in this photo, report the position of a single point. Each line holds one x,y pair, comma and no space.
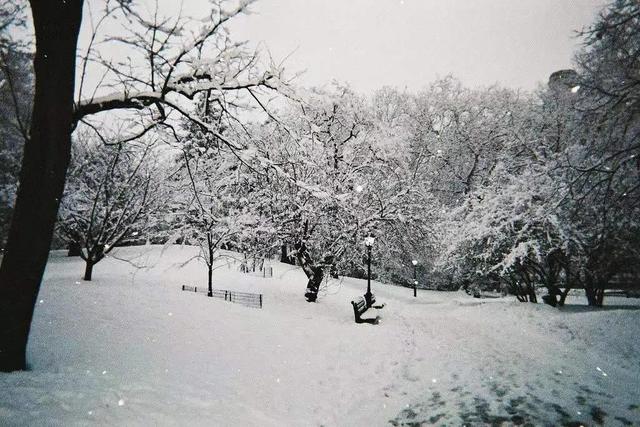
131,349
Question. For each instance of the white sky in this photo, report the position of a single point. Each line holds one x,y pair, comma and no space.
409,43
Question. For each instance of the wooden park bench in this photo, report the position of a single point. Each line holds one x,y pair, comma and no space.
360,306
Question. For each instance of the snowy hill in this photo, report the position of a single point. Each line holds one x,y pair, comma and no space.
130,348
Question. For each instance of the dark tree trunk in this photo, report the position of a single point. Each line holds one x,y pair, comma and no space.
563,296
529,286
88,270
284,255
313,285
74,249
314,273
42,177
550,299
599,297
591,296
210,248
532,294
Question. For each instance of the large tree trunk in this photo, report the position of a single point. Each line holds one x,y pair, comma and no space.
44,165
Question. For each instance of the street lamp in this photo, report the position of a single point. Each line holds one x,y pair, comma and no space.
415,280
368,242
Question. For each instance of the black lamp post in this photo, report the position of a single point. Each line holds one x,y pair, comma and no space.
368,242
415,279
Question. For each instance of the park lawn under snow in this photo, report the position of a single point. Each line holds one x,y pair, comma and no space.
131,348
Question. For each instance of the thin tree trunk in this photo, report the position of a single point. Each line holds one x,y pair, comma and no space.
531,289
210,265
42,177
591,295
88,270
284,256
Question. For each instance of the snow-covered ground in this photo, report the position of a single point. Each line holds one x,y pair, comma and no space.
131,348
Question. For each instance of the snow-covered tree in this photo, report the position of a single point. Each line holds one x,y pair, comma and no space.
331,182
509,235
456,138
113,194
605,165
458,135
217,202
575,160
590,132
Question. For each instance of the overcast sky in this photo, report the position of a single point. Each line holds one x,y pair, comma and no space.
408,43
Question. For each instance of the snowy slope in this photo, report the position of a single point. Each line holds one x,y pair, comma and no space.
130,348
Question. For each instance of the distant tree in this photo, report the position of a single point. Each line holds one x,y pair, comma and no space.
16,82
457,139
15,108
214,188
112,195
458,135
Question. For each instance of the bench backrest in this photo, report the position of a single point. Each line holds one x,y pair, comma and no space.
359,304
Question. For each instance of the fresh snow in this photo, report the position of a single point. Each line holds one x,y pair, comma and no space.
131,348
